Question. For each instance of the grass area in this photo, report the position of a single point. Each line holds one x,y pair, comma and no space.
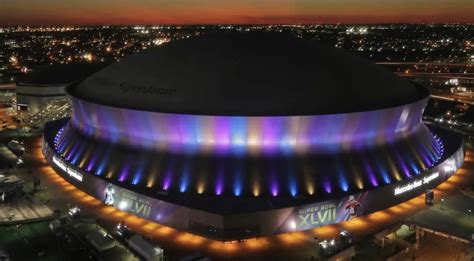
31,242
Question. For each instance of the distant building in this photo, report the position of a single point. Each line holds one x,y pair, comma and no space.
36,89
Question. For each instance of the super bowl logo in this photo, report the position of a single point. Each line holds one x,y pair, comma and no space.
127,201
316,216
328,212
136,204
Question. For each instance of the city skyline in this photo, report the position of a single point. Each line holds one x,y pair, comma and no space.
54,12
236,129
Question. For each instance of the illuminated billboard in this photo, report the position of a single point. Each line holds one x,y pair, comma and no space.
329,212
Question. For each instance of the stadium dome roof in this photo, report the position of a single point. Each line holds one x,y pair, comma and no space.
246,74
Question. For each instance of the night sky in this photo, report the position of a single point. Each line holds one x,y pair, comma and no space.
45,12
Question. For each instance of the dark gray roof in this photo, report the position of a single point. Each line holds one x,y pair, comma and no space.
60,74
246,74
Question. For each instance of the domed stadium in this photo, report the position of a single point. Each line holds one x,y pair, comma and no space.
237,135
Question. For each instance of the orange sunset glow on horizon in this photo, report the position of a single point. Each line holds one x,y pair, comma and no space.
53,12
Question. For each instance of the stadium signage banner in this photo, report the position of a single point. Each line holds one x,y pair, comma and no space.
70,171
127,200
317,215
329,212
416,183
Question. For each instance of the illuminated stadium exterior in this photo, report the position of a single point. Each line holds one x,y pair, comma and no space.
233,136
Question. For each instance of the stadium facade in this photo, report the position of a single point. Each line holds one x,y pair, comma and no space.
233,136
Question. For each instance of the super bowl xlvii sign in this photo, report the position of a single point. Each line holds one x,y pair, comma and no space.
316,215
127,200
329,212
